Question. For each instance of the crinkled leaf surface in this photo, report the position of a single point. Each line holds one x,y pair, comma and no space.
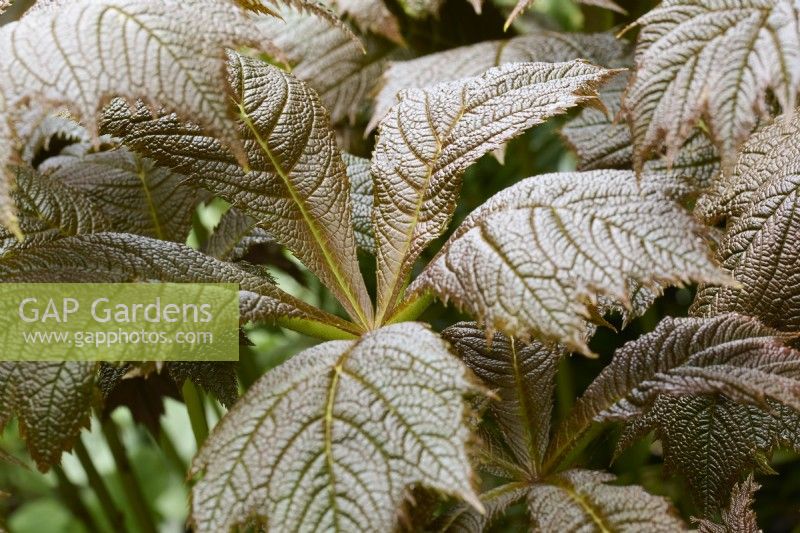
362,193
466,61
522,376
332,439
695,168
432,135
235,235
297,188
467,519
136,195
760,203
329,60
93,50
730,354
118,257
738,516
582,500
50,210
217,377
52,402
715,60
597,136
532,258
712,441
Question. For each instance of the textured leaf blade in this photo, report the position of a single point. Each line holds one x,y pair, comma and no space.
533,258
581,500
191,82
473,60
332,438
118,258
739,515
711,441
597,136
685,356
760,202
234,237
328,59
50,210
136,195
52,402
523,376
373,16
362,193
293,158
714,60
432,135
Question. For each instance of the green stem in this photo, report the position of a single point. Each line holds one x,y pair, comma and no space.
114,516
411,308
318,330
70,495
197,412
130,485
171,453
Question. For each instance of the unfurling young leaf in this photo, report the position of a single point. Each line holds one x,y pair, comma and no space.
713,60
432,135
535,258
332,439
294,162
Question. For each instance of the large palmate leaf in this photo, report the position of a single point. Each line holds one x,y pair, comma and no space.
523,377
52,402
332,439
136,195
522,5
760,202
715,60
730,354
328,59
463,62
739,515
581,500
534,257
117,258
49,210
432,135
294,161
